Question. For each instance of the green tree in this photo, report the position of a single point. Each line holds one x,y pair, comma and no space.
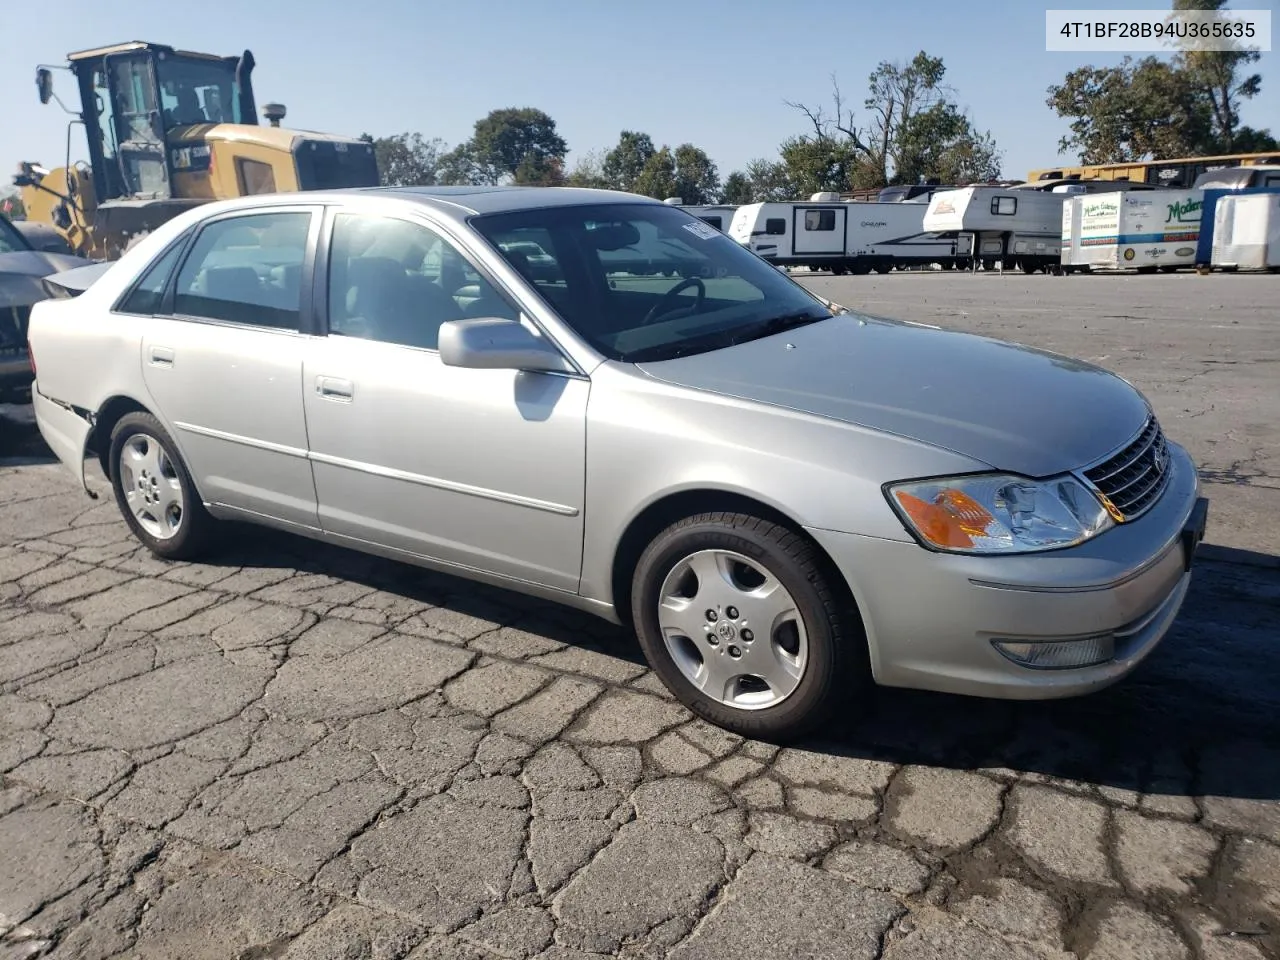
406,159
1220,77
1136,109
940,142
818,163
696,179
1186,105
624,164
770,180
588,171
914,130
658,178
737,189
460,167
510,145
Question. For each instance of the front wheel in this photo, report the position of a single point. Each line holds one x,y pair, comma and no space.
155,492
740,620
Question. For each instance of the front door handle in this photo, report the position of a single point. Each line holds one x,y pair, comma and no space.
332,388
162,356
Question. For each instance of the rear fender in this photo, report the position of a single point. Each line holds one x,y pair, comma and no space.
66,430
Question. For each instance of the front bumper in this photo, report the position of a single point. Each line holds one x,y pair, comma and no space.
931,617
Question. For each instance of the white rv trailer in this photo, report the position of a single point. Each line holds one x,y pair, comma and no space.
1018,225
850,236
1246,232
1143,230
718,215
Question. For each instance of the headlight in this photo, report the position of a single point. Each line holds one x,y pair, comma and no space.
999,513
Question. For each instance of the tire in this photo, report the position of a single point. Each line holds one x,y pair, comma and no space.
829,663
183,537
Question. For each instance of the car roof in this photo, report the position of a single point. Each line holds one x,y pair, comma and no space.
501,199
454,202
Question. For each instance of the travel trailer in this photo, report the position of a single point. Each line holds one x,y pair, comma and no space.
826,233
1239,178
1217,184
1145,230
718,215
1246,232
1015,225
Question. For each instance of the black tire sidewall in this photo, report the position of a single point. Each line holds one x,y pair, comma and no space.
193,533
812,699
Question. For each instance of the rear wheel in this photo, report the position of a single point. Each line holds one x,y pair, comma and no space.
741,621
154,491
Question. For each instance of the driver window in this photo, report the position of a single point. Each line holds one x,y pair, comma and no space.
396,281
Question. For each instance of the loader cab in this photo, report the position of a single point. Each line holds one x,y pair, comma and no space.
134,97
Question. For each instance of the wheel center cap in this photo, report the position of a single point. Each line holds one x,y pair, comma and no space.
726,631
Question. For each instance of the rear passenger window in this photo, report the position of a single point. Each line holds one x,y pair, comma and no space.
246,270
149,293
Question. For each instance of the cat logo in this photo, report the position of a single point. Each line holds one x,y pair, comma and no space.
1128,253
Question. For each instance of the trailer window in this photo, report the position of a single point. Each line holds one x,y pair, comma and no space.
775,226
819,219
1004,206
713,221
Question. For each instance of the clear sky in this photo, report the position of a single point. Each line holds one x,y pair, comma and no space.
713,72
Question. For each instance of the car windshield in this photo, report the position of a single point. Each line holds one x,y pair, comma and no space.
647,281
11,241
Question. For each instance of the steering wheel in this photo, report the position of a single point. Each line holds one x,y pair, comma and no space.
670,294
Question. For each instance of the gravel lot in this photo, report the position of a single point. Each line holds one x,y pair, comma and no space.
295,751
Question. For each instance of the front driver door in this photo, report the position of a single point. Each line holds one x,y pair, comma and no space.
478,468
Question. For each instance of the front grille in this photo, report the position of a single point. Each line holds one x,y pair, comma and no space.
1133,479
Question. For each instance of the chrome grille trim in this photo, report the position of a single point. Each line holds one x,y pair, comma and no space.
1133,478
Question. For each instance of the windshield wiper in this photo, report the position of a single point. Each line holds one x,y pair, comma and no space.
767,328
722,338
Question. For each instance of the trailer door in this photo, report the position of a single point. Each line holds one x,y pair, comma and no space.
820,230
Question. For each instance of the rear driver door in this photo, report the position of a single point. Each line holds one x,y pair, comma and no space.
222,360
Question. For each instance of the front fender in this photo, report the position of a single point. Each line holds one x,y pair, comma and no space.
648,440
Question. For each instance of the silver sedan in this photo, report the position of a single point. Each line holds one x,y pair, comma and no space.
788,502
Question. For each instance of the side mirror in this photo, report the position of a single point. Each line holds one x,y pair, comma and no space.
44,83
492,343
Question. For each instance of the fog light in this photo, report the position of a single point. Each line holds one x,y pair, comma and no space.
1058,654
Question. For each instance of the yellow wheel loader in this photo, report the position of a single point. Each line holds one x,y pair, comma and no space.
168,129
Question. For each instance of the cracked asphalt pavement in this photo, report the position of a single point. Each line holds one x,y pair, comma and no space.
297,751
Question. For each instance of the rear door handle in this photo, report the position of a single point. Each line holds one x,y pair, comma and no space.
162,356
331,388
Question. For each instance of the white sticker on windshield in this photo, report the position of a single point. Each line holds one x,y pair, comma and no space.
703,231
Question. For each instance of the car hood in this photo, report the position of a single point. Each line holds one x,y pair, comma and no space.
1010,406
21,272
